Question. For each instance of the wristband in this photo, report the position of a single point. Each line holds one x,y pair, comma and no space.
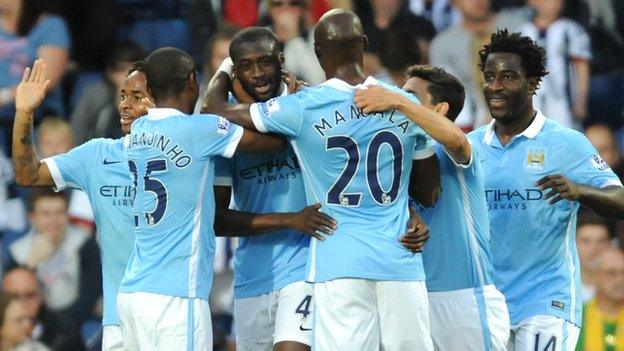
226,67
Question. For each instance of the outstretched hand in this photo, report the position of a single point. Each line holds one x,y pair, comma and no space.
560,188
33,88
313,222
375,98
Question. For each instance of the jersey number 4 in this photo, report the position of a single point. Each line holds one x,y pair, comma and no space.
154,186
336,194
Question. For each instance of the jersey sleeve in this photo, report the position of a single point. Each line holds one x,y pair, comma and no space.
283,115
424,147
71,169
215,136
223,172
471,166
585,166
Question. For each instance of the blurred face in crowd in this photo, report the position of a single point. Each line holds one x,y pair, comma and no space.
287,10
17,324
603,140
547,8
507,90
258,67
610,275
473,10
133,99
49,217
22,284
55,142
220,51
591,239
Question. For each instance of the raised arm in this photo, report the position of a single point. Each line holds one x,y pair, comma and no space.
236,223
29,171
440,128
216,98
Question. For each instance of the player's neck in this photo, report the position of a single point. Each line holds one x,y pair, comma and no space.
506,130
175,103
350,73
608,307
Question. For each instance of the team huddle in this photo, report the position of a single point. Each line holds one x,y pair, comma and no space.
367,220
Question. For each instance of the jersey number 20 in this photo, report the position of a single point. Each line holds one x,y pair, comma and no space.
336,194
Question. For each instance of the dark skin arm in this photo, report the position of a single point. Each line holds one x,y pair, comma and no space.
31,91
232,223
424,184
215,102
607,202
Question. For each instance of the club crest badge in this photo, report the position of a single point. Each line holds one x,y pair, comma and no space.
535,159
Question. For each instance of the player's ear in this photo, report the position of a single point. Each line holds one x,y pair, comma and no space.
442,108
533,85
192,80
280,57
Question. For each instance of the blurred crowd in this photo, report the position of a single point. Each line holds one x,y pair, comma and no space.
51,274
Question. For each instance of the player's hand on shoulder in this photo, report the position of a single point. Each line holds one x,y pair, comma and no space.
375,98
32,89
313,222
417,233
293,84
559,187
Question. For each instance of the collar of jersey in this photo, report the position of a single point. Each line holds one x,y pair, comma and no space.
158,113
340,84
531,132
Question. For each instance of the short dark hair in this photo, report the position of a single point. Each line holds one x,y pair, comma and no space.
251,34
39,193
123,52
443,87
167,71
138,66
532,55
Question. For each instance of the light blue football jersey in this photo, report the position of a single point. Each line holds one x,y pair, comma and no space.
99,168
457,254
533,248
357,166
266,183
170,155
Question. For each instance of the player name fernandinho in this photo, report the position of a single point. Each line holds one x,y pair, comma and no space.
170,149
354,114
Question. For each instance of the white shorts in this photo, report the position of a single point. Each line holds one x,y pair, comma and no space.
162,322
112,339
362,315
281,315
469,319
543,333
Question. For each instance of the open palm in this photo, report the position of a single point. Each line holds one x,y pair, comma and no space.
32,89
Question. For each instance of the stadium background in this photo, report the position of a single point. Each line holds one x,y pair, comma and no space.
97,40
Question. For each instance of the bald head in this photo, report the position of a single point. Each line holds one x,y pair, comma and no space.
339,38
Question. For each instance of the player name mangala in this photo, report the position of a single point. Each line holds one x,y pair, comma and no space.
169,148
339,117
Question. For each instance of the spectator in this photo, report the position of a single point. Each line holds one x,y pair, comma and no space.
592,237
603,139
16,327
28,32
56,137
603,317
64,258
95,114
561,96
439,12
394,34
52,329
456,50
288,21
